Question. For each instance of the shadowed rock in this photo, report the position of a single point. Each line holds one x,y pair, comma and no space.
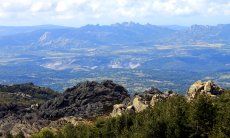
87,100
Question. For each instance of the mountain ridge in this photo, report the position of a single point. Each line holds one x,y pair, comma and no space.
119,34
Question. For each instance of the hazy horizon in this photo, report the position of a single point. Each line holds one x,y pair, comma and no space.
76,13
111,24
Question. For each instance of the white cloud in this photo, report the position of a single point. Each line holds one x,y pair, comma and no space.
61,6
14,5
41,6
108,11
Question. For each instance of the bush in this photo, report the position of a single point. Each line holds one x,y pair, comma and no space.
45,133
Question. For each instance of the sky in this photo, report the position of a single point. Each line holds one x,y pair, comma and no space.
81,12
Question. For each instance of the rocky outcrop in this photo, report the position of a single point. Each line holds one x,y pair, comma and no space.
141,101
163,96
118,109
138,104
208,88
86,100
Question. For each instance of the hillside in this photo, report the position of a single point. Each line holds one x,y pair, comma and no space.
93,109
26,94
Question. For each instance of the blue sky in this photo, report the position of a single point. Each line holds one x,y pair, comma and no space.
81,12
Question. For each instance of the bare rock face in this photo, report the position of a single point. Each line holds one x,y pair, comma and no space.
208,88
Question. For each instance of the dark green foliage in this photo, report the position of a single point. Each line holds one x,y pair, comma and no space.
166,119
222,126
202,116
68,131
20,135
45,133
115,127
9,135
80,131
172,118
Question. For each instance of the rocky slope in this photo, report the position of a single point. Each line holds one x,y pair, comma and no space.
17,104
82,103
87,100
17,99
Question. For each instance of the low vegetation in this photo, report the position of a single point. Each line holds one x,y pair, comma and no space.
25,94
175,117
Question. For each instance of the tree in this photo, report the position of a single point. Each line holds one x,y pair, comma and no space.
202,116
44,133
169,118
69,131
222,126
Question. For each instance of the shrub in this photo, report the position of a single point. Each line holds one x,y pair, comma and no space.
202,116
44,133
20,135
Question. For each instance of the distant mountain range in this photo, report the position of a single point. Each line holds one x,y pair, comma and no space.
115,34
137,56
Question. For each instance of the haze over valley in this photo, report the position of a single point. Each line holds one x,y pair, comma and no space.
134,55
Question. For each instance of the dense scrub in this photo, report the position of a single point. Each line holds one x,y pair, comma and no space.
175,117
